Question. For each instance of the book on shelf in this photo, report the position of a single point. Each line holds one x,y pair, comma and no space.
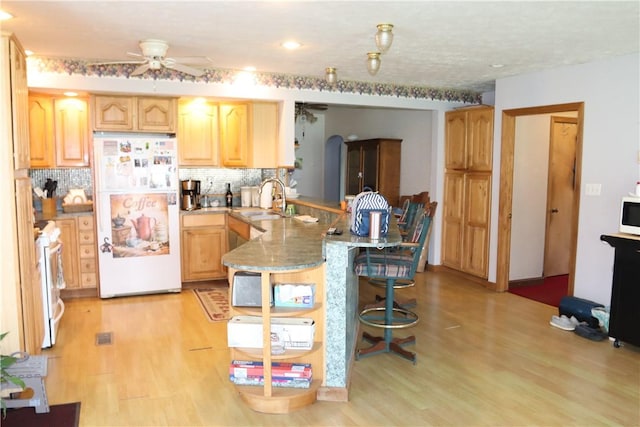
275,381
254,368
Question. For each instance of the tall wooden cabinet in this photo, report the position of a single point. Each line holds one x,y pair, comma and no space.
234,134
21,302
467,190
374,164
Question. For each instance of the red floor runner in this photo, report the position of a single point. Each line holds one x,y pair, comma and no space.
549,292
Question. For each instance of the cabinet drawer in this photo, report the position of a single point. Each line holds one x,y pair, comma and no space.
85,222
85,237
86,251
203,220
88,280
240,227
88,265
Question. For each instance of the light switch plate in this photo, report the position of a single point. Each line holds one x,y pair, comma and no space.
593,189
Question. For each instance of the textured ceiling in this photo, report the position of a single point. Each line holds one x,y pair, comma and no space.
443,44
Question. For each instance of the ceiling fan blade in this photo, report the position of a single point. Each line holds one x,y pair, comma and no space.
140,70
183,68
116,63
192,60
135,54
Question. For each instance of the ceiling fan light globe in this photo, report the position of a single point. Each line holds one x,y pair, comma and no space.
330,75
155,64
384,37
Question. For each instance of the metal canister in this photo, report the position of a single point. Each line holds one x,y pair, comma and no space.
374,225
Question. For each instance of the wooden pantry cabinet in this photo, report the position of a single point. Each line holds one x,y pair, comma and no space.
467,190
203,242
58,131
79,255
279,400
134,114
198,133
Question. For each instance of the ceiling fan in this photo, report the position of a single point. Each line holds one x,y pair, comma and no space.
153,57
303,110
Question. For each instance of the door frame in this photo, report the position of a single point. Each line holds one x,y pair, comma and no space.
507,150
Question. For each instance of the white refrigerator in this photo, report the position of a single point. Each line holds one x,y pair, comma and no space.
137,214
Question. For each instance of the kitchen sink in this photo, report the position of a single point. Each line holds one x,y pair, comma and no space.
257,214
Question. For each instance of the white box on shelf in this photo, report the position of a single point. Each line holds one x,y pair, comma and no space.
292,333
294,295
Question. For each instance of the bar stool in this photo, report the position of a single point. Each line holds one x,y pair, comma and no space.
391,265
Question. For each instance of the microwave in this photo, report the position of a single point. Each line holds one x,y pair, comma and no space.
630,215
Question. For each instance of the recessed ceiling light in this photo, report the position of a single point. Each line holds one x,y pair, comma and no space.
5,15
28,52
250,68
497,65
291,45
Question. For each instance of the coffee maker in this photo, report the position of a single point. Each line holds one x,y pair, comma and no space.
190,194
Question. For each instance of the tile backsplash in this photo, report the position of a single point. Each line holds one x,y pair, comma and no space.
213,181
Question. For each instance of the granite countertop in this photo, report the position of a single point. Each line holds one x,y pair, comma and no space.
286,244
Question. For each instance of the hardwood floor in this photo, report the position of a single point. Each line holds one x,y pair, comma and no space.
484,358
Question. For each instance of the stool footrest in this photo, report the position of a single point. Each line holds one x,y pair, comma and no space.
388,320
394,346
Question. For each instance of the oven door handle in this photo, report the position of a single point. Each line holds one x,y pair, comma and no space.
59,316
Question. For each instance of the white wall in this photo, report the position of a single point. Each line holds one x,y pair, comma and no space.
611,142
311,139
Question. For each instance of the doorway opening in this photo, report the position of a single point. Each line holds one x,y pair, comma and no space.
507,209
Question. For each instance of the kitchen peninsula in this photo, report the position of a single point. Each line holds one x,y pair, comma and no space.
291,250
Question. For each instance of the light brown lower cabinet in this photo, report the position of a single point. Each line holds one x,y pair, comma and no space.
203,242
79,255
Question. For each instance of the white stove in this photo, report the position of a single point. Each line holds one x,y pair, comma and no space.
50,262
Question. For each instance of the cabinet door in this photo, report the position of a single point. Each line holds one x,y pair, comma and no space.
198,133
265,135
480,139
72,133
455,140
234,134
113,113
453,208
354,176
69,239
389,164
477,196
31,291
19,106
42,149
370,158
202,253
157,114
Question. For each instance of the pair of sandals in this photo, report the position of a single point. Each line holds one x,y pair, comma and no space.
580,328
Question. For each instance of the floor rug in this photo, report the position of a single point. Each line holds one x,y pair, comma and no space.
66,415
214,302
549,292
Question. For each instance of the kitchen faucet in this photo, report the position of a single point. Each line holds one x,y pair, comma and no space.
284,197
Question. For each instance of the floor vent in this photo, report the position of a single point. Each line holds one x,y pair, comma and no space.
103,338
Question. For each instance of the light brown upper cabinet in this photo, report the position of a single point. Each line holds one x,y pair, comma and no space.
241,134
198,132
235,135
58,131
467,190
133,114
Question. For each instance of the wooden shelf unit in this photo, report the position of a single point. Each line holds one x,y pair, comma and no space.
276,400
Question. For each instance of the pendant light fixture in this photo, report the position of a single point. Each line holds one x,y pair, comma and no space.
373,62
330,75
384,37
